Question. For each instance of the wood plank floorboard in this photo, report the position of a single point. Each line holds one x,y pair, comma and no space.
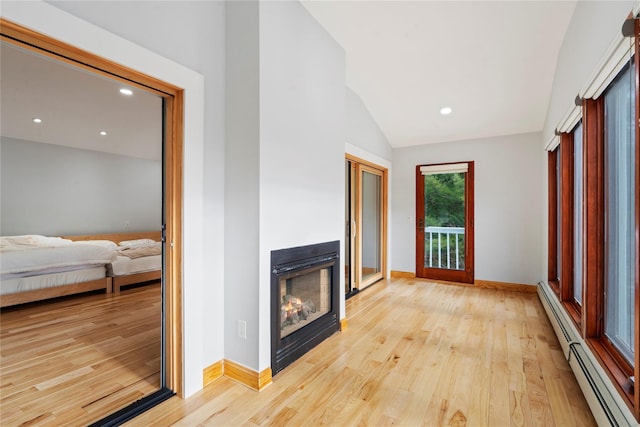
415,353
74,360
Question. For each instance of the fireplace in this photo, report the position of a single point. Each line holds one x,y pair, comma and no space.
304,300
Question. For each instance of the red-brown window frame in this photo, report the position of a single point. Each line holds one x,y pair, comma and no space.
590,320
567,278
618,369
553,276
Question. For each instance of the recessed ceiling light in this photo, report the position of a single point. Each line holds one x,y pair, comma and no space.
37,120
103,132
445,111
126,91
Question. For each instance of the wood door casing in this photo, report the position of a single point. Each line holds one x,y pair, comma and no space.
463,276
173,165
359,165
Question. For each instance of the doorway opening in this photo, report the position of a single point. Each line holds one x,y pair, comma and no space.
365,224
170,320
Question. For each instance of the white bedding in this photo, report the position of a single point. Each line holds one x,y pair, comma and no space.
124,265
23,284
44,258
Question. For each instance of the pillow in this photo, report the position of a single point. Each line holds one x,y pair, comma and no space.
138,243
107,244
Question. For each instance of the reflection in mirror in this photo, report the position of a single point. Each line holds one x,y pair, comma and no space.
80,218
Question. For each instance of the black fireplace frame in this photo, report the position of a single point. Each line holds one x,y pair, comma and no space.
285,261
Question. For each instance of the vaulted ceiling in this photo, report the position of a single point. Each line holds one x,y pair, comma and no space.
492,62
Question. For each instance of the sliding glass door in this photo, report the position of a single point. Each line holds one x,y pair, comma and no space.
365,224
370,198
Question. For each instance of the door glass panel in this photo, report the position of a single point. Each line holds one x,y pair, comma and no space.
444,231
371,224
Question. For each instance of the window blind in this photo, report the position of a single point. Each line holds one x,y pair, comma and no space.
553,143
448,168
614,60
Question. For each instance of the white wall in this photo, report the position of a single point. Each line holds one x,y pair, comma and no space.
55,190
366,141
204,32
593,27
242,182
302,97
362,129
508,223
285,184
190,33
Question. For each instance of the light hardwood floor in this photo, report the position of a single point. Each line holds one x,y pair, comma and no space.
414,354
73,361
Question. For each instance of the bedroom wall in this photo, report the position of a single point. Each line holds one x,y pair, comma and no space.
55,190
508,223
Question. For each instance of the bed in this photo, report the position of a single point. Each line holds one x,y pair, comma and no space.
138,257
34,267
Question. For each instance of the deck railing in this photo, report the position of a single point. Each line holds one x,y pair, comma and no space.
444,247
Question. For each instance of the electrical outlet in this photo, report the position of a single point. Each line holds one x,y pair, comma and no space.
242,329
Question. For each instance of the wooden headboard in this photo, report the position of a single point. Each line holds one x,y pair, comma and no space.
117,237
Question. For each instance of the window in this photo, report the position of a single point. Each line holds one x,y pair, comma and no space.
555,215
619,213
577,215
610,226
566,230
594,216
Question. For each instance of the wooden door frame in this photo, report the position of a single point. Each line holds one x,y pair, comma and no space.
351,226
173,160
463,276
361,164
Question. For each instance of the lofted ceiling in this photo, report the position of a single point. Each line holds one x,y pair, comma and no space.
75,106
492,62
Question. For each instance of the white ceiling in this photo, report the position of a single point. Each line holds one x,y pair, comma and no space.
493,62
75,105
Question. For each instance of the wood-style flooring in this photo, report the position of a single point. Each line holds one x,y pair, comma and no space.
415,353
72,361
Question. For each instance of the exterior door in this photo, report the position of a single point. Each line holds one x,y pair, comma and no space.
444,222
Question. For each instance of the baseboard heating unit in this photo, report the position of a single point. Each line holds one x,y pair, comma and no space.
605,403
